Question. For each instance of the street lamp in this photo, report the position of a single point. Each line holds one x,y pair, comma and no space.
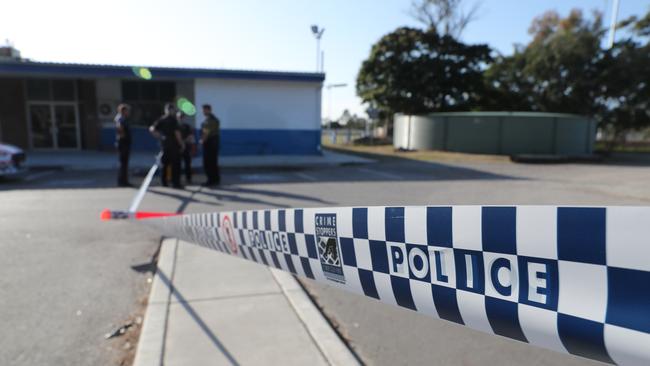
318,33
329,99
612,27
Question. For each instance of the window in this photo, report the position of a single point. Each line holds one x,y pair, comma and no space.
38,89
47,90
147,99
63,90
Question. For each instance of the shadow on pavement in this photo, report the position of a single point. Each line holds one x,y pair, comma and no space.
628,159
192,313
186,200
151,267
387,169
274,194
181,196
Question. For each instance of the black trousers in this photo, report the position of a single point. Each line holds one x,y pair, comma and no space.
187,163
124,151
211,160
171,161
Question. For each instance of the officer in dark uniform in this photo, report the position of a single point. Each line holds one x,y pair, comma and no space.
123,144
167,130
210,141
187,133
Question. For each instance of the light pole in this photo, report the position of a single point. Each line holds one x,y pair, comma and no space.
612,26
318,33
329,99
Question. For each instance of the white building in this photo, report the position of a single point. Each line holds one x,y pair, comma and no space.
71,106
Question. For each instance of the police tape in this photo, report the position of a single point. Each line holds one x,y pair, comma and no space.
572,279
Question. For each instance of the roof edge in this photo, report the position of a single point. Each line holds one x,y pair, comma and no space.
43,69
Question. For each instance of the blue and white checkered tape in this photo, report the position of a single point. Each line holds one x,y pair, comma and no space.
571,279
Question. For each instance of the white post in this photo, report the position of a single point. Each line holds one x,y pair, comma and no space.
612,25
329,104
322,61
318,54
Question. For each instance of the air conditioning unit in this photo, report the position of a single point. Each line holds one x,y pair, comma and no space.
106,109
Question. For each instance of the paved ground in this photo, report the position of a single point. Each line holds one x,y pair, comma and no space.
102,160
384,335
58,259
65,278
206,308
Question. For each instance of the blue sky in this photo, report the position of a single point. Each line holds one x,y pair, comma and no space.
252,34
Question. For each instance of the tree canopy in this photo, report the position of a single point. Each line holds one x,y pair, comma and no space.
417,71
625,81
564,68
447,17
558,71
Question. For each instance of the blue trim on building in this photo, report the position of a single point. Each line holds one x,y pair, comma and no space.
273,142
43,69
235,141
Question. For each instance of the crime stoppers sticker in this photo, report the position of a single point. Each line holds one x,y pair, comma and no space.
328,247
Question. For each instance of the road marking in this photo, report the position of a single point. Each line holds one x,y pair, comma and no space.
262,177
380,174
306,176
34,176
70,182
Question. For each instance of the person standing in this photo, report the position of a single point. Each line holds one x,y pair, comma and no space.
210,140
123,143
167,130
187,133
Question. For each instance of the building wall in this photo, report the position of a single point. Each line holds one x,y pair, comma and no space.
13,119
257,116
88,117
262,116
185,89
14,124
109,92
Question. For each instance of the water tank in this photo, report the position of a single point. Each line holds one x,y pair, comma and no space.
507,133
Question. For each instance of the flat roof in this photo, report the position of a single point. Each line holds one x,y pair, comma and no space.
27,68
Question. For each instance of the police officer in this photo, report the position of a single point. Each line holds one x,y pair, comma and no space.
167,130
210,141
187,133
123,143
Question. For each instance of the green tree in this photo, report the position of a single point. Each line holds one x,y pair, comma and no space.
626,79
447,17
417,71
558,71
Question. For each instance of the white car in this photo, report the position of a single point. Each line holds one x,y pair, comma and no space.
12,160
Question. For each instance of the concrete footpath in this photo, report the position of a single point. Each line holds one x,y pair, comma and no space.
90,160
208,308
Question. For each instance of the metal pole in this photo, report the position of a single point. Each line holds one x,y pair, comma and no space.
367,128
612,26
322,61
329,104
317,54
329,99
408,134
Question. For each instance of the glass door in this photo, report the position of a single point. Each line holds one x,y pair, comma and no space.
54,125
66,130
42,126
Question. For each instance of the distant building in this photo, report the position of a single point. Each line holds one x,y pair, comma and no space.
9,52
71,106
